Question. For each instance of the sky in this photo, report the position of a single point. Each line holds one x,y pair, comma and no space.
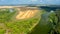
55,2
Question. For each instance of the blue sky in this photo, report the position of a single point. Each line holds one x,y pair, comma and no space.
56,2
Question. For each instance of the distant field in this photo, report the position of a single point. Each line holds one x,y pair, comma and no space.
16,7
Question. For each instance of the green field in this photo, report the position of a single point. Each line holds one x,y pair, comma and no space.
9,25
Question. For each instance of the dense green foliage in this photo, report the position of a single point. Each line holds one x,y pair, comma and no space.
5,15
49,23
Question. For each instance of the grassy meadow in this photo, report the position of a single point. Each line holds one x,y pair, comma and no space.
10,25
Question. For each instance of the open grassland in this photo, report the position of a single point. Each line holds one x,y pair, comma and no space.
10,25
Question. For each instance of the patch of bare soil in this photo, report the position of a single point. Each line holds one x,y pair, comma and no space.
26,14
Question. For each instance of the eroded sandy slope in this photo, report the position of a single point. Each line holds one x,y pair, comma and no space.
26,14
